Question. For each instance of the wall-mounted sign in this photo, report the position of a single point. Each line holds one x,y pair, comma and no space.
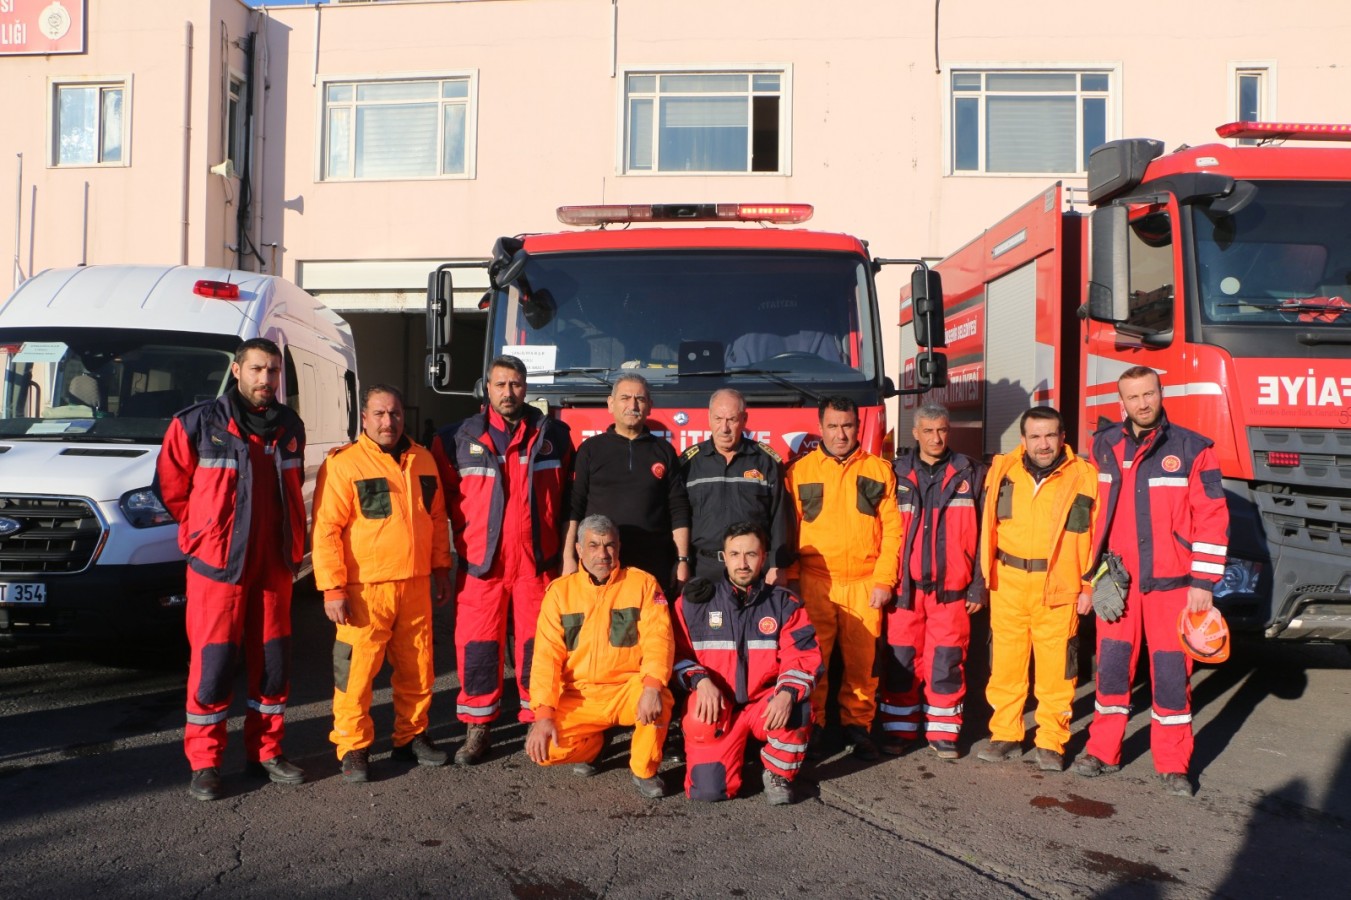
39,27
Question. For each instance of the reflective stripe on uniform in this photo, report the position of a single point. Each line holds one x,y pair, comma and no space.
806,683
727,479
544,464
963,501
943,710
1214,549
786,747
1207,568
714,645
490,710
292,463
900,726
268,709
899,710
780,761
762,645
208,463
1167,482
1105,476
480,471
207,719
943,727
1111,710
1180,719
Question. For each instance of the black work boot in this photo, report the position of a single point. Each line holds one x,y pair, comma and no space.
356,766
420,750
278,769
864,748
205,784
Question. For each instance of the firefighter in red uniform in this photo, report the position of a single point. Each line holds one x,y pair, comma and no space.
928,630
747,653
1165,517
506,474
230,472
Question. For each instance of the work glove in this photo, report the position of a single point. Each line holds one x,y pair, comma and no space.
698,590
1111,583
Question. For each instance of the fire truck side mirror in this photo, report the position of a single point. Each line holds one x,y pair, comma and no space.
440,305
438,371
926,307
931,370
1109,281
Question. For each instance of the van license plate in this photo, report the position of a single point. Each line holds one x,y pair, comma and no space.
23,593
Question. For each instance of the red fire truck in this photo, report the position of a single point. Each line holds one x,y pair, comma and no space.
693,298
1228,270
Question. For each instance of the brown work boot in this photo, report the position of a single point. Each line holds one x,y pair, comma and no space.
1176,783
1089,766
858,736
1049,760
477,741
998,751
945,749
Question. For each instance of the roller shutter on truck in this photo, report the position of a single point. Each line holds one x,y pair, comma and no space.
1015,377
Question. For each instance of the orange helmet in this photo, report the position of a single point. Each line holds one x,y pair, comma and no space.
1203,636
707,732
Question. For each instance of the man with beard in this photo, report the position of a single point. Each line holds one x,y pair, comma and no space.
230,473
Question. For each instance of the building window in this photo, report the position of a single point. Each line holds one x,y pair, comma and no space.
705,122
398,129
1250,95
236,125
88,124
1014,122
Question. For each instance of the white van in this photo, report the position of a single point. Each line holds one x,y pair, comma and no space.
96,361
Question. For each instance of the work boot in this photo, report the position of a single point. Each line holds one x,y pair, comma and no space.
205,784
864,748
778,790
892,745
356,766
584,770
1176,783
1090,766
998,751
278,769
674,750
421,749
477,740
945,749
1050,760
652,788
816,744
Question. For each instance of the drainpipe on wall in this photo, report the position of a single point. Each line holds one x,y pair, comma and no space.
187,139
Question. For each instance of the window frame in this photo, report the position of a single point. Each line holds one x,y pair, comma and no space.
1265,69
54,87
1112,123
785,94
236,118
471,76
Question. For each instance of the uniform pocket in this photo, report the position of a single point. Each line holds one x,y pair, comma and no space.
373,493
342,664
812,497
870,494
1004,503
429,485
624,627
572,626
1081,514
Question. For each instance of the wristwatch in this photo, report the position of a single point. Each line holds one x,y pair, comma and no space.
681,559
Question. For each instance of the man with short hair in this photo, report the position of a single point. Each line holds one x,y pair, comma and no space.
1166,519
381,557
731,478
603,653
630,475
230,473
506,473
929,627
746,651
1036,546
849,538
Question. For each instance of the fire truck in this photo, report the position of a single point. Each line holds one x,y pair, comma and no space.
693,297
1228,270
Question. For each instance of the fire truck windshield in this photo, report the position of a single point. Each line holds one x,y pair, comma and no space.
804,318
1284,259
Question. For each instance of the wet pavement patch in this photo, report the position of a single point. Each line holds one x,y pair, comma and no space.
1126,870
1078,806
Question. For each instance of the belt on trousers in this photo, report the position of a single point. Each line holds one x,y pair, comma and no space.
1027,565
710,554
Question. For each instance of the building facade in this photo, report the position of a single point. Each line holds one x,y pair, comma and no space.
352,146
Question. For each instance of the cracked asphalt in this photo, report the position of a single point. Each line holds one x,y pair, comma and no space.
93,802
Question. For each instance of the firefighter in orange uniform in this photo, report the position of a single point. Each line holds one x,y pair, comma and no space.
381,554
603,655
1036,547
849,538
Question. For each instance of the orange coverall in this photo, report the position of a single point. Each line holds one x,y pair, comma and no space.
1036,547
849,539
379,531
597,646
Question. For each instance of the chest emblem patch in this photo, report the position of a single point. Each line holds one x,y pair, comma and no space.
768,625
545,448
658,470
475,450
291,447
1171,463
755,474
715,619
964,486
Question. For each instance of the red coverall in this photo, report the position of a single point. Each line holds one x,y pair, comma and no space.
753,644
929,630
508,513
1166,516
241,562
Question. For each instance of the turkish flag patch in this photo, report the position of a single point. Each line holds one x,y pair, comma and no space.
659,470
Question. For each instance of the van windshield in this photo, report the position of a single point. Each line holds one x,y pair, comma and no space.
105,385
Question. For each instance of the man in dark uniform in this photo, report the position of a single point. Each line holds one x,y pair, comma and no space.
731,478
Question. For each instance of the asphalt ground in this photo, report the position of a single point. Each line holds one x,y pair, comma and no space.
93,801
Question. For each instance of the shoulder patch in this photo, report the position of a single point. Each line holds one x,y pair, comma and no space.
690,453
770,452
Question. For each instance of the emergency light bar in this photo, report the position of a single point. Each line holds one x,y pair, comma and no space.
778,213
219,290
1275,131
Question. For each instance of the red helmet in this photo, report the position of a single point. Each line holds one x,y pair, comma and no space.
707,732
1204,636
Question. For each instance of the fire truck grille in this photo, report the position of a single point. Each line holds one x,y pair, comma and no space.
55,535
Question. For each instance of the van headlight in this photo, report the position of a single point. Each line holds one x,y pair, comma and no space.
143,509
